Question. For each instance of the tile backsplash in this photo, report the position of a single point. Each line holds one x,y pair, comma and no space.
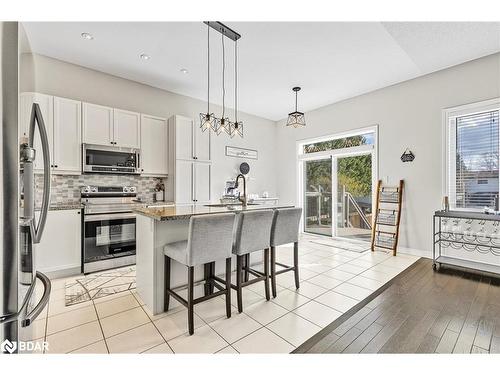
66,189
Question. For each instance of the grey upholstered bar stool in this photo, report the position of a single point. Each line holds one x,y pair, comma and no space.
253,231
210,238
285,230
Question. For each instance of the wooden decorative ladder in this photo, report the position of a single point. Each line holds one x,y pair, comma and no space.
385,228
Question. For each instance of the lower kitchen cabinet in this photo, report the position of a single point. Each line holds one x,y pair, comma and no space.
59,252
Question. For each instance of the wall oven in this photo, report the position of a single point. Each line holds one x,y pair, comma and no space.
109,227
110,159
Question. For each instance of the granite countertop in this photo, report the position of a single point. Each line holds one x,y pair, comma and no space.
59,206
181,212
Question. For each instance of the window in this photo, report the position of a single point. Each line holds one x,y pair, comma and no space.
473,157
338,143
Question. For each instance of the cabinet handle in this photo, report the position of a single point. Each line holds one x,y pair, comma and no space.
55,166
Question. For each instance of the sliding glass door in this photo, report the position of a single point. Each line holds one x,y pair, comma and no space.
338,195
353,182
318,196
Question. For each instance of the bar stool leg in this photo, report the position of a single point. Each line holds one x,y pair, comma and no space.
296,264
212,274
166,302
239,275
228,287
266,273
247,265
273,270
190,299
206,277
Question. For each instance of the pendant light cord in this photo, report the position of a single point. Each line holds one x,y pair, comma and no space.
296,92
208,72
236,83
223,77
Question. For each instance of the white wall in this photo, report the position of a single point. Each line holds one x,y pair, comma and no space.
408,115
55,77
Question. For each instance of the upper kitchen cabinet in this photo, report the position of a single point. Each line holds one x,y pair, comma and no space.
126,128
62,119
97,124
108,126
154,146
189,141
67,136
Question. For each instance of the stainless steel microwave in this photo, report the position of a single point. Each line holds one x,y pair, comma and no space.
110,159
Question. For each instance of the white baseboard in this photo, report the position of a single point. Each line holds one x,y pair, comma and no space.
416,252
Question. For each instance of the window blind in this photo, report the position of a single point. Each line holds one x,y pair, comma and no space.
476,159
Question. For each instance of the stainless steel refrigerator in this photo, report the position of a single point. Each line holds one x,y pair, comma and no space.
20,231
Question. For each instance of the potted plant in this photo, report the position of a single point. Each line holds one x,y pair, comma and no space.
159,191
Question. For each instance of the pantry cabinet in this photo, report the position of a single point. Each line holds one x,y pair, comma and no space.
154,146
62,119
190,161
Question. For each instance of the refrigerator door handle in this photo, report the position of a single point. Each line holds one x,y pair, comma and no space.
33,314
28,318
37,228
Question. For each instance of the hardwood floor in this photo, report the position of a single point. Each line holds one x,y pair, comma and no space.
420,311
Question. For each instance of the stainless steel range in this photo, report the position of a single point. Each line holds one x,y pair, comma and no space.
108,227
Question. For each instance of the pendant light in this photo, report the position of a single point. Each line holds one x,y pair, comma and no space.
208,120
296,118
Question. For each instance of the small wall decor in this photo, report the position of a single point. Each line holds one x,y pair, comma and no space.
238,152
407,156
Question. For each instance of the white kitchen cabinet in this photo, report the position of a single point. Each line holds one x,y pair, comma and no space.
59,251
184,182
126,128
182,128
46,104
67,133
201,172
97,124
154,146
190,165
62,118
191,143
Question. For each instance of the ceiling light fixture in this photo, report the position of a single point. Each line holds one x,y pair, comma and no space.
145,56
87,36
208,120
184,71
296,118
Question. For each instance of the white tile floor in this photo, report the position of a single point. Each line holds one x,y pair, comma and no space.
332,282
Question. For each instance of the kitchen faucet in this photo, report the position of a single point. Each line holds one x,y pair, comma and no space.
244,199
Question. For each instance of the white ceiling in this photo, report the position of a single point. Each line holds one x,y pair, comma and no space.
331,61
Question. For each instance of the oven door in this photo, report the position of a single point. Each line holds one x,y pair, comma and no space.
108,236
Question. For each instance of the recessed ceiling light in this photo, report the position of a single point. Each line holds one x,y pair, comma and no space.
87,36
184,71
144,56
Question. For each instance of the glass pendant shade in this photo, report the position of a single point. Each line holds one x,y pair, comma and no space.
296,119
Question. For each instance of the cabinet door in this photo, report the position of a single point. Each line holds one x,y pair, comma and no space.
127,128
183,138
154,146
184,182
67,135
46,103
202,182
60,247
202,144
97,124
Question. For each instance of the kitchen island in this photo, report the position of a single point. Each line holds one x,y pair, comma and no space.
157,226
